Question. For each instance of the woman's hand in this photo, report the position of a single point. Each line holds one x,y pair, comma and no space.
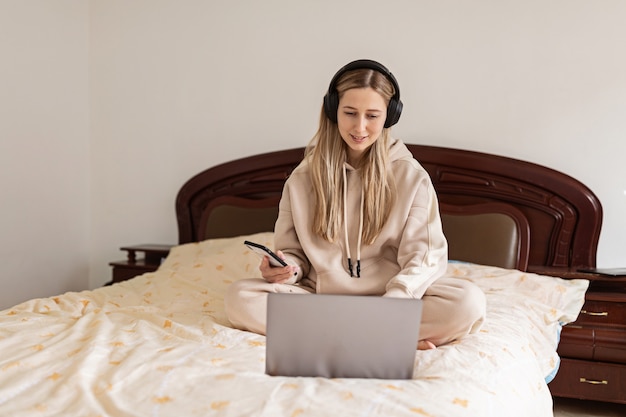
277,275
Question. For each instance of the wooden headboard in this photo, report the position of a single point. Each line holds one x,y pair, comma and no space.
565,216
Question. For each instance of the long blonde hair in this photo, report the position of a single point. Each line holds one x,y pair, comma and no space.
326,154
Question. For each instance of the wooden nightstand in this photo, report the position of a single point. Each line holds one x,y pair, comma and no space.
593,348
153,255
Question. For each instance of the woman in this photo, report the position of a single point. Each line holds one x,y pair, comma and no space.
359,215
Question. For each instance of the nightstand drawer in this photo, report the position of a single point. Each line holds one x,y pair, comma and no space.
610,345
576,342
603,313
590,380
606,345
123,270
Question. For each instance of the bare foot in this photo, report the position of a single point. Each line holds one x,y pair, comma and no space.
425,345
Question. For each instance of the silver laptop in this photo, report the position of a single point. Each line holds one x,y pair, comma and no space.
341,336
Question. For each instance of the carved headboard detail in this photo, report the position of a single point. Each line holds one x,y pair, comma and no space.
565,216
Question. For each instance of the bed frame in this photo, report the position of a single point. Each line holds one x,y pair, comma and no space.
556,218
564,216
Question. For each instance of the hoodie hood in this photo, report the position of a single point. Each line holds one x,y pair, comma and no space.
398,151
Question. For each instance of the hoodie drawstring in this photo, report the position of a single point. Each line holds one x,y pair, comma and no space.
345,228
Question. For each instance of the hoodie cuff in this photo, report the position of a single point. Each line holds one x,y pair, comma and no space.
297,275
396,292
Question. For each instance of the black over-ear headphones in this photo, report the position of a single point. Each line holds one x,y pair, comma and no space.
331,99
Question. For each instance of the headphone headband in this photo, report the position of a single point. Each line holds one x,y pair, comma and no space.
331,99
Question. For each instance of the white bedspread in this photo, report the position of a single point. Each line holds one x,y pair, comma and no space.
160,345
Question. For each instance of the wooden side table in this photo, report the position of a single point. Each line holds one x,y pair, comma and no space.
153,255
593,348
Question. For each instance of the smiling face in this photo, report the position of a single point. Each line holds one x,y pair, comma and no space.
360,118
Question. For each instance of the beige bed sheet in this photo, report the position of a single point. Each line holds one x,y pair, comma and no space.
160,345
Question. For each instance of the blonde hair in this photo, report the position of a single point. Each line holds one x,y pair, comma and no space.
326,154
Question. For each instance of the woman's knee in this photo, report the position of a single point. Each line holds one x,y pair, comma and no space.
474,303
244,304
237,295
232,294
458,306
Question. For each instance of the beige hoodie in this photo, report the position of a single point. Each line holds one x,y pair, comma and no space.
410,253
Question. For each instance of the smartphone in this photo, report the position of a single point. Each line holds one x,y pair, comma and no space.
265,251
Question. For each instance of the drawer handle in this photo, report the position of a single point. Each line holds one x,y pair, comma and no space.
593,382
591,313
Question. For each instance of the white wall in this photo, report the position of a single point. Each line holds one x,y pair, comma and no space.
44,153
181,86
178,86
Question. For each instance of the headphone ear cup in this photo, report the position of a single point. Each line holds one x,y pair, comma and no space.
394,110
331,105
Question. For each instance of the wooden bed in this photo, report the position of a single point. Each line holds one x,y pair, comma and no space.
160,343
558,221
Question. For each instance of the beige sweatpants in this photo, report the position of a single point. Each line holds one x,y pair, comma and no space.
452,307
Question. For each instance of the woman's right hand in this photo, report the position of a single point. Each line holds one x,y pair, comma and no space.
277,275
